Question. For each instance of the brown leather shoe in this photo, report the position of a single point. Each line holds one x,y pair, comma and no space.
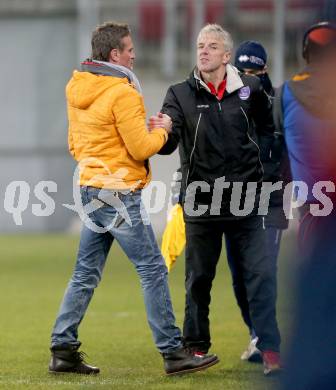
183,362
67,359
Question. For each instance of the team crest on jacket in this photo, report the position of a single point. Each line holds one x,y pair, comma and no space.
244,93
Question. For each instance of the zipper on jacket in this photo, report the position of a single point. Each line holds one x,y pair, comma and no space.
193,149
250,138
220,107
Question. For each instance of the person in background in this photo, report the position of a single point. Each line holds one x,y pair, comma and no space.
251,59
309,117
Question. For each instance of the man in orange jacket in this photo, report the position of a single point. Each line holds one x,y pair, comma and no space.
109,139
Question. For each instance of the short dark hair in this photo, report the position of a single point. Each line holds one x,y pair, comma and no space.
106,37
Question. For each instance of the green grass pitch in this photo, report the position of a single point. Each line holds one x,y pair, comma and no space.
33,275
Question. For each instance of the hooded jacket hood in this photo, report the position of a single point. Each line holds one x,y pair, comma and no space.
90,83
234,81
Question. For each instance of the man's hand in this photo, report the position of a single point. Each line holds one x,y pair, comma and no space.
160,121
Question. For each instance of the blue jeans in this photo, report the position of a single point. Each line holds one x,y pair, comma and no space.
273,240
138,242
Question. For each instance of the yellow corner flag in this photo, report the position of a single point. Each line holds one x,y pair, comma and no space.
174,238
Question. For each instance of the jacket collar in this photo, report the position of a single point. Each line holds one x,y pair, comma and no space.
199,82
109,69
233,80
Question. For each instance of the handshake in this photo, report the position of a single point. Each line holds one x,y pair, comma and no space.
160,121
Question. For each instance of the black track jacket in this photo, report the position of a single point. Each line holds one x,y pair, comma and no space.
217,139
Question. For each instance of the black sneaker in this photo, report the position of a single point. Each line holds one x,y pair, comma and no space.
183,362
68,359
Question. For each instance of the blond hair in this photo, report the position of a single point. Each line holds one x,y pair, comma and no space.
221,34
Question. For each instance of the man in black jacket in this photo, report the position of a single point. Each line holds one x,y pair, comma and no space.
217,115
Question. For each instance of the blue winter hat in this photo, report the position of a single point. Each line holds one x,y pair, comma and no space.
250,55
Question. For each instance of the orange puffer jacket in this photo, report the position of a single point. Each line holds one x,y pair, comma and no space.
107,132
